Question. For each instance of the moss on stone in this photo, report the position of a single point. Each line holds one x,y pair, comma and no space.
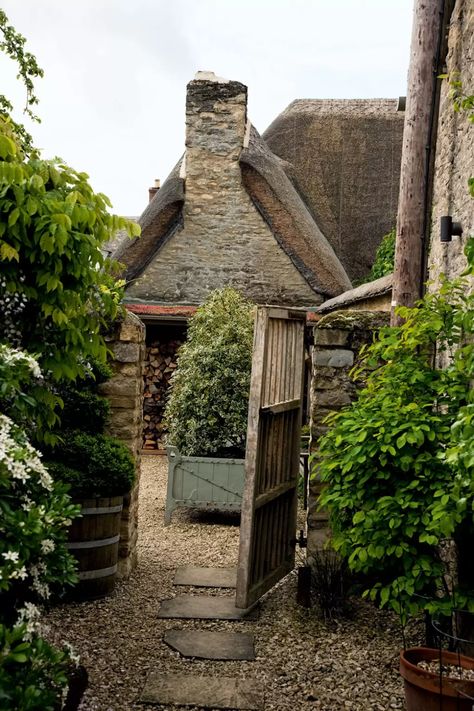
354,320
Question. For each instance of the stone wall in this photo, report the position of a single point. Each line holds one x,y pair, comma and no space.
224,240
454,161
338,338
124,391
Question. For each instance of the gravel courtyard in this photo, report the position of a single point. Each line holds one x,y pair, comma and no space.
302,663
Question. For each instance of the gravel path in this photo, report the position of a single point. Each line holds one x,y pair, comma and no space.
302,663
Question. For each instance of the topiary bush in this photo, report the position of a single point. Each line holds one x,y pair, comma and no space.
206,413
94,465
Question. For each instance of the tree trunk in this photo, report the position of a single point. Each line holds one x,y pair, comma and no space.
418,137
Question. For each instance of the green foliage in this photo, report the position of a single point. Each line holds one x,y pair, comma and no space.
35,512
51,233
93,465
32,672
384,257
85,411
207,409
398,463
13,45
391,491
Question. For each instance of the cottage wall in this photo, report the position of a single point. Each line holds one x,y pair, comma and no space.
338,338
224,240
124,391
454,161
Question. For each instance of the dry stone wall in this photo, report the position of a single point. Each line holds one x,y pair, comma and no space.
124,391
338,338
454,161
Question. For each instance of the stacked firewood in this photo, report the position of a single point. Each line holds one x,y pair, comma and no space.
160,364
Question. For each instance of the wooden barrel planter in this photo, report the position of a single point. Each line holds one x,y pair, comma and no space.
94,542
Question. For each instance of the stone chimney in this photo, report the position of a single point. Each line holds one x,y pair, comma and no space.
152,191
216,118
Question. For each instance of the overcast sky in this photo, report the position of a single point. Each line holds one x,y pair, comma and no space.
112,98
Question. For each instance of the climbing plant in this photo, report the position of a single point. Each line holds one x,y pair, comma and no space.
398,463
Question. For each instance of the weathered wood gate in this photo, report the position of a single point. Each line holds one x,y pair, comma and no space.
269,505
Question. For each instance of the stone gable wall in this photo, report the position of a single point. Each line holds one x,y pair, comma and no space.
224,240
454,161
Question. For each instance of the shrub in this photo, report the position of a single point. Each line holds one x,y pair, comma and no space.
391,491
207,410
35,512
85,411
93,465
33,674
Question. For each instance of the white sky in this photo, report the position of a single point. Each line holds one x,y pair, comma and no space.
112,99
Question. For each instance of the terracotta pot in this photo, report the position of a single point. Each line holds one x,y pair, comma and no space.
423,690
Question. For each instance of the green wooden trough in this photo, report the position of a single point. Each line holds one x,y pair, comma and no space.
203,483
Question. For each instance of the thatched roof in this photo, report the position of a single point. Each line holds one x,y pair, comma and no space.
159,220
345,157
282,208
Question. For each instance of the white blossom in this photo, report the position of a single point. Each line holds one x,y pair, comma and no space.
47,546
11,555
30,616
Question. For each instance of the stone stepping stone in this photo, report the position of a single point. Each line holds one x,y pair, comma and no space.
211,645
201,607
207,692
206,577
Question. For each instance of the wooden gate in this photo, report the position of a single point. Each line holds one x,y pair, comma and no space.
269,505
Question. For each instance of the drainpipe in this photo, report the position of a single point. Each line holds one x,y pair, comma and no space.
427,54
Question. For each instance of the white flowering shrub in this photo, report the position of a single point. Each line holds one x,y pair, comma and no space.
35,512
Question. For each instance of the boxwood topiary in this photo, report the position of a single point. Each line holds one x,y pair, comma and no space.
207,409
93,465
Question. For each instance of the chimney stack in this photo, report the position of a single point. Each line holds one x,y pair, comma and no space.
152,191
216,118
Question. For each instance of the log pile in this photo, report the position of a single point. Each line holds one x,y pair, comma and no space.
160,363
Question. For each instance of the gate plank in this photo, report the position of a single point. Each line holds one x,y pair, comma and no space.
269,504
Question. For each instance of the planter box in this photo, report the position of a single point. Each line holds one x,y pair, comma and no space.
203,483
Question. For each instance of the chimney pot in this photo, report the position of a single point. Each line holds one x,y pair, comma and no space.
153,190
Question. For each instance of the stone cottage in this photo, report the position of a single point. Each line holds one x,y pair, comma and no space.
243,211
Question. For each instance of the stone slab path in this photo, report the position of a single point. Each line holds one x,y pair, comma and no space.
203,644
206,577
201,607
204,691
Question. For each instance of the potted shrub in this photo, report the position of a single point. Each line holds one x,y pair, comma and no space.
99,471
207,410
